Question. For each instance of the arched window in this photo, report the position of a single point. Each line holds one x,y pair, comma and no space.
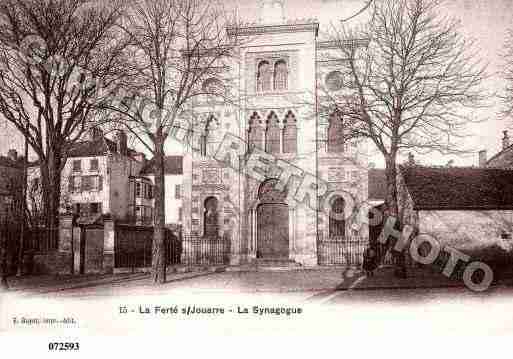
334,80
335,133
289,133
337,225
210,218
205,135
255,133
272,135
212,86
280,75
264,75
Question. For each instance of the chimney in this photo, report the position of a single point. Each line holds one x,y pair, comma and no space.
121,143
13,155
505,140
482,158
411,159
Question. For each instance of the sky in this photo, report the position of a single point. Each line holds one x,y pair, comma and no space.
484,20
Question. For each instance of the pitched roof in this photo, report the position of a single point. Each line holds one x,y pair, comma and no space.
459,187
90,148
173,165
377,184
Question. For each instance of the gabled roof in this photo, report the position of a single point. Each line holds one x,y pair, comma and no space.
173,165
377,184
96,147
459,187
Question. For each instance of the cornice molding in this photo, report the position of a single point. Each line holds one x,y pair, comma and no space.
334,44
254,29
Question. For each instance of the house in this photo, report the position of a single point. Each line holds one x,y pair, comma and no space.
467,208
173,179
11,170
503,159
101,177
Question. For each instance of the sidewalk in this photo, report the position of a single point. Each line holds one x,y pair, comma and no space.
41,284
384,278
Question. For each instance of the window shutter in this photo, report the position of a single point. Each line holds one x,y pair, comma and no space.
100,183
70,184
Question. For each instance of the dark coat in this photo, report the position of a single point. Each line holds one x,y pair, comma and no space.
369,259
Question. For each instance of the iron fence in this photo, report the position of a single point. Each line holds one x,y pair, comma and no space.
133,247
205,250
340,250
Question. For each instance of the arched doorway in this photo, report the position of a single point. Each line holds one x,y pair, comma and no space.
210,218
272,222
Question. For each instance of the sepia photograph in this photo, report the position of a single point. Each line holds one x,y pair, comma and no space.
269,177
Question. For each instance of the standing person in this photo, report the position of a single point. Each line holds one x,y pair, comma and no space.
369,261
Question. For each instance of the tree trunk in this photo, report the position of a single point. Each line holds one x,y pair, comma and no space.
392,208
391,178
51,181
3,258
159,250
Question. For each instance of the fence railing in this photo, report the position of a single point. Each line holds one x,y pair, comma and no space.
205,250
340,250
133,247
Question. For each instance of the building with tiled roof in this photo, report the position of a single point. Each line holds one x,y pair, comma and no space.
467,208
11,170
173,180
100,177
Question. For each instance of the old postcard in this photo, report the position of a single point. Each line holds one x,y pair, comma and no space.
186,177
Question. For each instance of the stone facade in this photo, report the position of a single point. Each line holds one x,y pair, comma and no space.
283,122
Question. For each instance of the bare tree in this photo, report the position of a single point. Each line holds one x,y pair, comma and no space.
175,46
55,58
507,96
414,82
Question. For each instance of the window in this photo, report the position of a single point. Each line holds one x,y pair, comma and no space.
289,134
255,133
96,208
212,86
138,189
334,81
280,75
138,211
272,135
264,76
180,214
77,165
337,224
93,164
74,183
87,183
150,191
210,218
178,194
335,133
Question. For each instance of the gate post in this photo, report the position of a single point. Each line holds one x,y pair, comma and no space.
109,235
63,263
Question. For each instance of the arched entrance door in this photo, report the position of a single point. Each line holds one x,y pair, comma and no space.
272,223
